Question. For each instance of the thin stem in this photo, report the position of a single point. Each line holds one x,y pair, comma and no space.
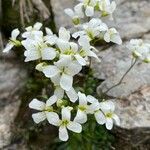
132,65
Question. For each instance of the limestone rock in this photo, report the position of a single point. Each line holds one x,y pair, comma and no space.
7,116
134,112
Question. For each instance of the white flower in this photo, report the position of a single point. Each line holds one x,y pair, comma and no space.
76,14
81,116
89,6
94,108
12,42
108,107
86,50
107,7
66,69
33,32
65,123
140,49
37,50
59,91
46,109
50,38
92,29
112,35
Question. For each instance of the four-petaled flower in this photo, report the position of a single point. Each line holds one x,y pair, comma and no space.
12,41
65,123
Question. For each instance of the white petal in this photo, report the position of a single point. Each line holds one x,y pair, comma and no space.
74,46
63,45
89,11
48,53
66,82
50,71
109,123
39,117
73,96
84,42
53,118
93,107
63,133
77,34
91,99
48,31
82,99
64,34
56,80
69,12
51,100
32,55
50,39
78,10
59,92
66,113
80,59
15,33
107,105
100,118
81,117
75,127
37,26
116,39
116,119
8,47
37,105
107,37
73,68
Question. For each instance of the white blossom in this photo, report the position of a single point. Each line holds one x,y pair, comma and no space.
50,38
92,29
112,35
65,69
140,49
83,109
33,32
65,123
108,108
38,50
12,42
76,14
107,8
46,109
89,6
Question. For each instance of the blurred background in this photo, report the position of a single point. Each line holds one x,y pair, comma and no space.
19,83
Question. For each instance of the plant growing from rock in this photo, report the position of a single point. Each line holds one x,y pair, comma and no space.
61,58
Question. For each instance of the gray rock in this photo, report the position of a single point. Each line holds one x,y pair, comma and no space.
132,18
12,79
7,116
134,112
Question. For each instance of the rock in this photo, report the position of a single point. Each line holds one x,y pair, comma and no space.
61,19
129,16
115,62
134,112
7,116
12,79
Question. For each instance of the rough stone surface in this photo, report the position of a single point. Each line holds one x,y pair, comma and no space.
12,80
134,112
115,62
7,115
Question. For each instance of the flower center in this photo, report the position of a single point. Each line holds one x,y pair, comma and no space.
64,122
82,107
109,115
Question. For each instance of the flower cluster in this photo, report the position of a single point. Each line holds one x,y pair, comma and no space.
60,60
140,50
90,8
